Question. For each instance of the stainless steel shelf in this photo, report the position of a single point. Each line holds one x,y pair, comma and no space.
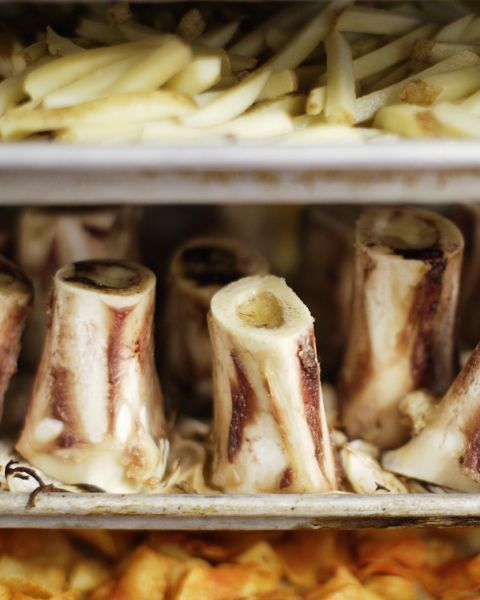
421,172
238,512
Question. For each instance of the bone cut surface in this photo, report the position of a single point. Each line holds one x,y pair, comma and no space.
447,450
48,239
407,275
199,268
96,413
16,298
270,430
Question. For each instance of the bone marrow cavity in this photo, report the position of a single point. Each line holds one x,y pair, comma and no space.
103,275
210,265
262,310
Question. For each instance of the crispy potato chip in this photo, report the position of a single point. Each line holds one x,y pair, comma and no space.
392,587
225,582
343,586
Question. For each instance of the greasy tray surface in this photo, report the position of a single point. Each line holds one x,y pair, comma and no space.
237,512
41,173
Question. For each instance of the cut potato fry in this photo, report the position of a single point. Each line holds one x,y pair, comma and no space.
430,52
276,38
200,75
391,54
134,32
472,104
241,63
59,73
304,42
407,120
363,19
101,133
326,134
316,101
28,56
155,69
252,44
231,103
456,121
472,32
220,36
279,84
258,125
92,86
292,104
127,108
96,31
340,95
445,87
191,25
12,90
367,106
59,45
453,32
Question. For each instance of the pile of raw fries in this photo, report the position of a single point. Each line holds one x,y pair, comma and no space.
315,565
319,71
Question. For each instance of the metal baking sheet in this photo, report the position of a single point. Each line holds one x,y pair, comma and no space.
421,172
222,512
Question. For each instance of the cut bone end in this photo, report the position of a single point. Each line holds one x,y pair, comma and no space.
411,234
206,264
199,269
270,428
97,400
408,266
107,277
261,307
14,284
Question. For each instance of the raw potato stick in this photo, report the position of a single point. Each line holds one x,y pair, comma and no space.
445,87
96,414
279,84
270,431
92,86
61,72
51,238
363,19
199,268
367,106
430,52
155,69
391,54
133,108
304,42
407,277
204,71
229,104
219,37
340,95
16,299
446,451
453,32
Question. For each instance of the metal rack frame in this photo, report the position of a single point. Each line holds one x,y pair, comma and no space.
259,512
425,172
